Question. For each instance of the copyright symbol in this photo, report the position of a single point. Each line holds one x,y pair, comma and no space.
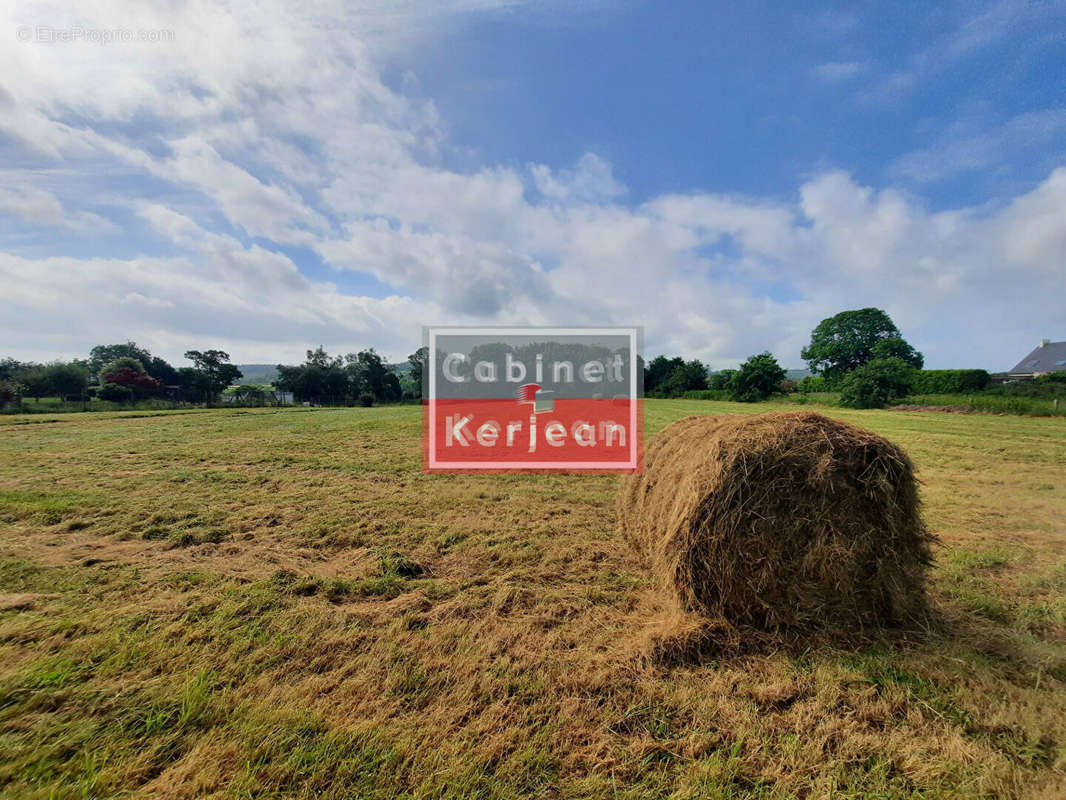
24,33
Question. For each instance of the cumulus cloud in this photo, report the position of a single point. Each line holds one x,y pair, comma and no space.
249,300
40,207
591,180
267,169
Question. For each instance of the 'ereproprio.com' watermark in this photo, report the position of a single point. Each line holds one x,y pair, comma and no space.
517,399
44,34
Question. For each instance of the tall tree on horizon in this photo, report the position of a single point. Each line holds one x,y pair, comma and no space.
850,339
215,368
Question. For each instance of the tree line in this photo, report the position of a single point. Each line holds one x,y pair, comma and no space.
362,378
128,373
119,373
859,353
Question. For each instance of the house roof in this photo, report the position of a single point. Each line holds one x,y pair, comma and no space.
1050,357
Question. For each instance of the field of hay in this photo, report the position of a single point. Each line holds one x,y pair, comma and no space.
269,603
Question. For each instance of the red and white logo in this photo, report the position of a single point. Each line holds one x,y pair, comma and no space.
544,399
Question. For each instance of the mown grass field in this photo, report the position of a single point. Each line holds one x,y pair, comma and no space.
277,603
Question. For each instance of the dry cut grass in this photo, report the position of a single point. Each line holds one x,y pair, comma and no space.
278,603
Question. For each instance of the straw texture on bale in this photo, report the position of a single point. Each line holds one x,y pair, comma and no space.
786,520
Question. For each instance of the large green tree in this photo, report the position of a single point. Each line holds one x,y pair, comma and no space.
673,376
34,381
720,380
758,378
419,360
103,354
323,378
688,376
162,371
215,368
8,368
319,358
851,338
658,370
371,371
68,380
9,391
195,384
391,391
897,348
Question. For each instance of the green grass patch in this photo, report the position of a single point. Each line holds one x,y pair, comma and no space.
47,508
507,665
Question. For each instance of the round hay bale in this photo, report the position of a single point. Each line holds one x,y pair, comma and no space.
780,520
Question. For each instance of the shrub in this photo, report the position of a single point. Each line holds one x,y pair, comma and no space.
706,394
877,383
788,387
114,393
123,362
8,392
671,377
1046,386
992,402
67,380
366,399
950,381
720,380
862,390
139,383
758,378
812,383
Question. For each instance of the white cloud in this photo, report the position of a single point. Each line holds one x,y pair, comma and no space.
973,143
465,275
974,28
1033,233
998,20
255,207
245,299
40,207
591,180
278,121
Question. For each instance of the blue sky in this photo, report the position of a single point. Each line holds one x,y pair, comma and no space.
755,97
266,178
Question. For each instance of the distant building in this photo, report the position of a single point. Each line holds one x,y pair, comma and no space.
1048,357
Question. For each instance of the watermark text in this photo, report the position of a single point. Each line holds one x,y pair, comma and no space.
47,34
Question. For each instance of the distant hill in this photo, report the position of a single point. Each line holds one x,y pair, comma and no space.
257,373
